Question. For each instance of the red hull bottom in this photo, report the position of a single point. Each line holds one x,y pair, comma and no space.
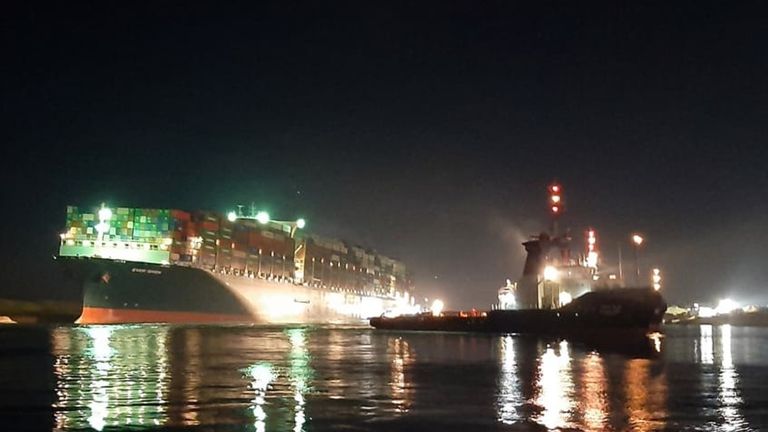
94,315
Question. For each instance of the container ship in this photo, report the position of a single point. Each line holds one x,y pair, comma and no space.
174,266
559,294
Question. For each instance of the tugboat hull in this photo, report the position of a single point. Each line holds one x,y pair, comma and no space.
618,311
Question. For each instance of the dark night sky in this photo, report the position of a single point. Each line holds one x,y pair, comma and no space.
426,129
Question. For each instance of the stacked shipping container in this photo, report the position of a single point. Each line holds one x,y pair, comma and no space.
244,247
337,265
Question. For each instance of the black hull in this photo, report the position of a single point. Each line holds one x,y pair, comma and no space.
115,291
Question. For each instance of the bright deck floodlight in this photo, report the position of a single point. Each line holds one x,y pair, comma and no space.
232,216
551,273
301,223
262,217
105,214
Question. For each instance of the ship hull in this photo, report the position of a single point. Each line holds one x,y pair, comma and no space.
132,292
610,312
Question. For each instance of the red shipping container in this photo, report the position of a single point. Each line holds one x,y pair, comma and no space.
210,226
191,230
181,215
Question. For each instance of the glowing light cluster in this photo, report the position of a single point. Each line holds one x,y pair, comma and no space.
656,278
507,299
263,218
726,306
437,307
706,312
282,307
367,307
551,273
555,198
592,259
591,249
105,214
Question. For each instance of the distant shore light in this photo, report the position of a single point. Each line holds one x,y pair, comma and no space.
437,307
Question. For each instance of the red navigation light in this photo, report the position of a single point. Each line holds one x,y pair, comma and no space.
555,198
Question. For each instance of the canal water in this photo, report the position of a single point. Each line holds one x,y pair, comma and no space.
305,378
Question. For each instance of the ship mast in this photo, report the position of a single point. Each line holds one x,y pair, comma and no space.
538,260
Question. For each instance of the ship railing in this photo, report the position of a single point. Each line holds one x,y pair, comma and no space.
254,275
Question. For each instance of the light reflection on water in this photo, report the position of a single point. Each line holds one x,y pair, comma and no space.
728,390
555,387
594,393
707,345
400,351
317,378
109,376
510,394
261,375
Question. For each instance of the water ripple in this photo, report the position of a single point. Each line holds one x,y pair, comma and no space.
324,378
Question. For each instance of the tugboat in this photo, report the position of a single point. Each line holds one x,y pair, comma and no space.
557,295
